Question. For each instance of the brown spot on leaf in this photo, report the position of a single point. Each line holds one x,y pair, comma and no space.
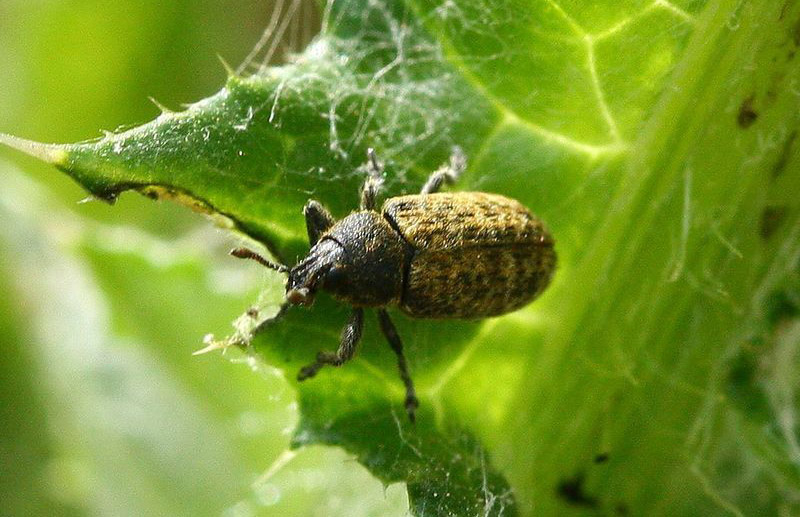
796,33
783,158
747,114
771,219
782,306
571,491
783,11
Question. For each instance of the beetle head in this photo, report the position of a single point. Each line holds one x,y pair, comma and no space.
309,274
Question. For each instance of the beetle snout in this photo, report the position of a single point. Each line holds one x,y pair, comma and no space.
301,296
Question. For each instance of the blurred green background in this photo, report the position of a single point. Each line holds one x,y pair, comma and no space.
104,409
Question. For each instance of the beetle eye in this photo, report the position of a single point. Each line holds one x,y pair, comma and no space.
335,276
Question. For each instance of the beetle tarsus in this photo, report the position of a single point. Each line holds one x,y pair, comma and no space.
351,335
448,173
373,183
412,403
306,372
390,331
323,358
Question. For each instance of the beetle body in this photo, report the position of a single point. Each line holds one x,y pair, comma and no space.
475,255
434,255
448,255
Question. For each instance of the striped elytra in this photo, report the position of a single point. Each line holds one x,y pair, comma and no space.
475,254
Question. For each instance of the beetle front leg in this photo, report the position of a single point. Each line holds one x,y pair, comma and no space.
389,330
447,173
351,335
318,220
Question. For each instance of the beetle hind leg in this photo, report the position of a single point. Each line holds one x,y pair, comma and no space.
447,173
351,335
389,330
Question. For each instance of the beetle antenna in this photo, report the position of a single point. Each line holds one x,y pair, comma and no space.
244,253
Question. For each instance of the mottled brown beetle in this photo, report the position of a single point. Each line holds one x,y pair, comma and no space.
435,255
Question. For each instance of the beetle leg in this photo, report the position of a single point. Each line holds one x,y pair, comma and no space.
318,220
351,334
447,173
373,183
389,330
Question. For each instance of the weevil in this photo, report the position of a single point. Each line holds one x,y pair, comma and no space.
467,255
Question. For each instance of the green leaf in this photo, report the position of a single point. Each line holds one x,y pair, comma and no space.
656,139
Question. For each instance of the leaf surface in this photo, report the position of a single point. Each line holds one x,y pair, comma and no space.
656,139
